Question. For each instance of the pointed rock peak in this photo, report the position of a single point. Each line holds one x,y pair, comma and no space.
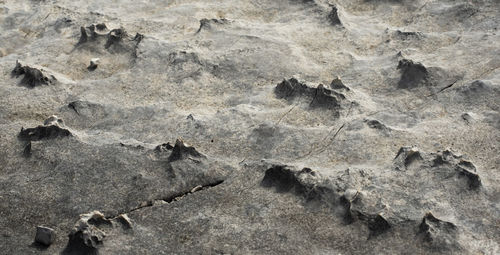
318,97
289,88
333,16
182,151
338,84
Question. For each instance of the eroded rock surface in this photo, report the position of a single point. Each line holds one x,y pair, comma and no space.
250,127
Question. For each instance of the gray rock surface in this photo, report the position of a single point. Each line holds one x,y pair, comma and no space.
250,127
44,235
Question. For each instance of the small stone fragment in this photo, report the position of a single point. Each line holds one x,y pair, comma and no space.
45,236
93,64
197,188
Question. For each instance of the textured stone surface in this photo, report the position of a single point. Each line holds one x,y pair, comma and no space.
44,235
250,127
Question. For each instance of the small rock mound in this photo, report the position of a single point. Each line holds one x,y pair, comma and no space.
309,185
181,151
86,236
412,74
437,234
53,128
209,23
406,156
32,76
338,84
479,88
375,124
319,97
463,167
444,163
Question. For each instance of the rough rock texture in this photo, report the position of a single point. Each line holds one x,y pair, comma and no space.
250,127
44,235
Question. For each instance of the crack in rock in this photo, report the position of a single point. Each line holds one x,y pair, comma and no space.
173,198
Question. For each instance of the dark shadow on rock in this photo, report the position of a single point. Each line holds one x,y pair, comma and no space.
39,246
412,74
76,246
86,237
43,132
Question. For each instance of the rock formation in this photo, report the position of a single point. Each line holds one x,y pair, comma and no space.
249,127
